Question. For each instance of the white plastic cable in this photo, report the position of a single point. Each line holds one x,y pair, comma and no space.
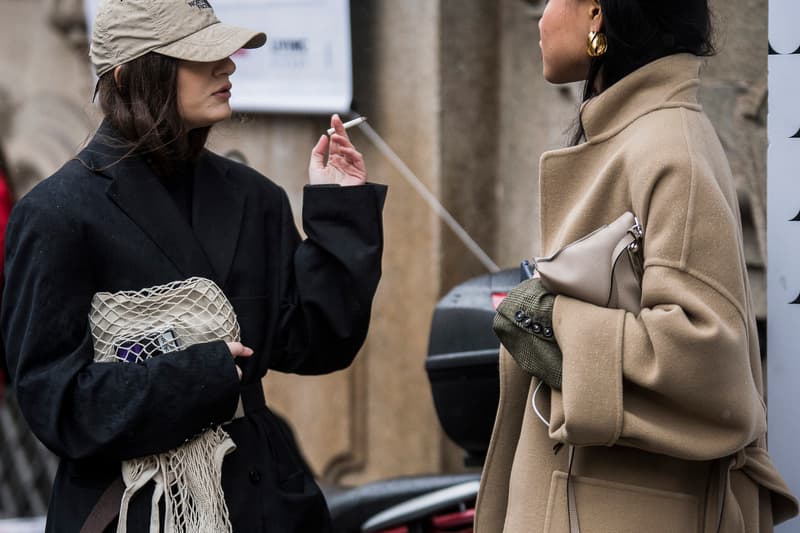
428,196
535,408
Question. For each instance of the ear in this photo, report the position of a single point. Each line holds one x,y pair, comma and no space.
597,16
116,74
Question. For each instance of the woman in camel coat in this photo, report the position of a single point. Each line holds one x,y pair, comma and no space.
664,409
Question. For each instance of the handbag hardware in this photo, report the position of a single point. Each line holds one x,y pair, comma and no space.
634,249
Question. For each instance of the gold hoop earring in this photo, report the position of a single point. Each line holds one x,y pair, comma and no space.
597,44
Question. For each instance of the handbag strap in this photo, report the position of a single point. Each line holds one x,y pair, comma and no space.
106,509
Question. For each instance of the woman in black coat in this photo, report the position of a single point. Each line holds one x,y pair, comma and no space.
143,205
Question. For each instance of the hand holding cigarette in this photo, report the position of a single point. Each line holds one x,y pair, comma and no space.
344,165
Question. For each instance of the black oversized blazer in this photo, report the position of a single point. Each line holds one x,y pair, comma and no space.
104,222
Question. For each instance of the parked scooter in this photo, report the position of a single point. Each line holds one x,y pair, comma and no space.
462,367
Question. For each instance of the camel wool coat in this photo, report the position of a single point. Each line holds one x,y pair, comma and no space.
665,409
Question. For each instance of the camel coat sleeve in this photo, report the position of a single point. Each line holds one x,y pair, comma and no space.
679,378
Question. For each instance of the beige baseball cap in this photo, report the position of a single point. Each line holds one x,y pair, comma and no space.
185,29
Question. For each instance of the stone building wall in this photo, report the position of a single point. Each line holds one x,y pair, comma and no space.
455,88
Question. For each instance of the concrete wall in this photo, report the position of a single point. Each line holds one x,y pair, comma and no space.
455,88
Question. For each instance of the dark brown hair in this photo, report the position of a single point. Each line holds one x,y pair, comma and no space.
643,31
142,106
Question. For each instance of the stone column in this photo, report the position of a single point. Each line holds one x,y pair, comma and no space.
734,94
376,419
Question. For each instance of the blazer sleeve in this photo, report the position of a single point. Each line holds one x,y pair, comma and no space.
329,279
79,408
683,377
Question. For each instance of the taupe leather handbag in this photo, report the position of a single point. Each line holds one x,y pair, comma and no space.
604,267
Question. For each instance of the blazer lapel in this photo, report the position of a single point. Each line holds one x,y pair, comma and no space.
206,248
217,213
137,191
141,196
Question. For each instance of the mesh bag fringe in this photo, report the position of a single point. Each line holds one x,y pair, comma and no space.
133,326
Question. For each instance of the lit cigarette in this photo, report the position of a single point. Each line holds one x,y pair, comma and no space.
350,124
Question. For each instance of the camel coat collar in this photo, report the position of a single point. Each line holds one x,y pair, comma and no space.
647,89
667,83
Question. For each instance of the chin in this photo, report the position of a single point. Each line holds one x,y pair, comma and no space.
210,121
560,78
565,71
556,80
219,119
550,75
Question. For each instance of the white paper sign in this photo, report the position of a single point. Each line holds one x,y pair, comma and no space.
306,65
783,240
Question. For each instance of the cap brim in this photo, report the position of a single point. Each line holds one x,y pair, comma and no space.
213,43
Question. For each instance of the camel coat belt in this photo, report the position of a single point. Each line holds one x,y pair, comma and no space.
665,408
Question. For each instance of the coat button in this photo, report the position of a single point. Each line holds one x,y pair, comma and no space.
537,328
527,322
520,316
255,477
548,332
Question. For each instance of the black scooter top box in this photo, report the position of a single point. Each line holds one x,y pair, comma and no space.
462,362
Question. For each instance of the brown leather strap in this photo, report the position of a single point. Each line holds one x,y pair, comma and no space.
572,505
106,509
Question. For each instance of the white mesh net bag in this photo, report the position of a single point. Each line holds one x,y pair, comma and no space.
132,326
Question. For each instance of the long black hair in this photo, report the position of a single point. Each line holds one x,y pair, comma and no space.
141,104
642,31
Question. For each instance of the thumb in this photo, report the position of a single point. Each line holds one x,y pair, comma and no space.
318,153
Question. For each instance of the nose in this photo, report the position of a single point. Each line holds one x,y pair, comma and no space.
225,67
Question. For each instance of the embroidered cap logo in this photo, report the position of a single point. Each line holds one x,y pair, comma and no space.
199,4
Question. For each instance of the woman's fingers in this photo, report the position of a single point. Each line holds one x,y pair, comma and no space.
334,159
342,147
316,165
318,153
341,141
351,154
238,349
338,126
